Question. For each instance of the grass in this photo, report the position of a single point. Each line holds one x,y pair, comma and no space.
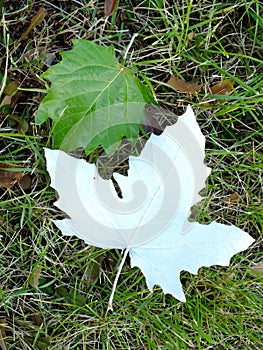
54,289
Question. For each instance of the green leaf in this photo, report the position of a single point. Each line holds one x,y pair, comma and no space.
93,100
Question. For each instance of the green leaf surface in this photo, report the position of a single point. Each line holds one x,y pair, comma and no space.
93,100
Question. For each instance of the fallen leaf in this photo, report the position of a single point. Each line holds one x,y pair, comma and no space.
37,319
109,7
9,175
150,221
11,88
224,87
25,182
232,199
93,100
156,119
184,86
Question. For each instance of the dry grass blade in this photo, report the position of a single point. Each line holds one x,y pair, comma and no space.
37,19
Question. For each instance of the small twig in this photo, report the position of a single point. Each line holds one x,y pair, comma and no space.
110,308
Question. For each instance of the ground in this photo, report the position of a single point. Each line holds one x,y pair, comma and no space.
54,289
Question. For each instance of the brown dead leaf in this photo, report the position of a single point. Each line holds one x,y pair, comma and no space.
183,86
37,319
109,7
233,199
258,268
25,182
11,88
9,175
156,119
224,87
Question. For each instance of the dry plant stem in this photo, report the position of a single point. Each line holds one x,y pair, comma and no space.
130,45
7,58
110,308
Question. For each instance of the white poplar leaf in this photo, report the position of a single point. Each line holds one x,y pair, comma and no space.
162,259
150,220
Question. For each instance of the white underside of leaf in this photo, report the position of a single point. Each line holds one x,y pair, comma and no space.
162,259
151,219
160,185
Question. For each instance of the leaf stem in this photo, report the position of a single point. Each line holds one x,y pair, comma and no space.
116,279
